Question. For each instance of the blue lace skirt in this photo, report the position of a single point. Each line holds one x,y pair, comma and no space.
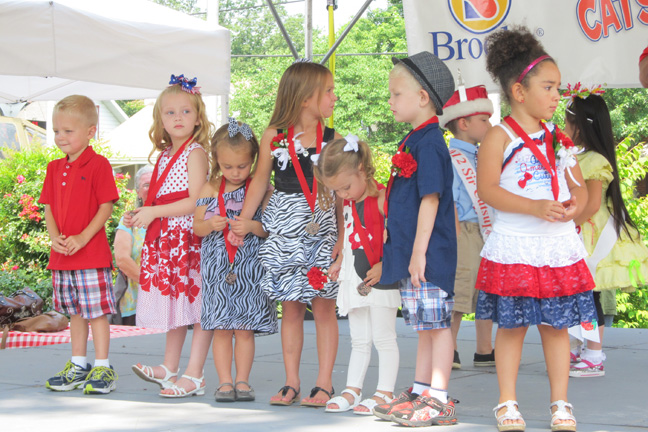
558,312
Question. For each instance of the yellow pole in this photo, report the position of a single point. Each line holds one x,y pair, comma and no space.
331,40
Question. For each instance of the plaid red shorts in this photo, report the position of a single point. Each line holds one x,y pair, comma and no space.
86,292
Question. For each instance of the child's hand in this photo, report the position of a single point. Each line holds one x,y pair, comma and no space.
240,226
217,223
75,243
235,240
142,217
128,219
58,245
417,269
549,210
373,275
570,207
334,270
337,250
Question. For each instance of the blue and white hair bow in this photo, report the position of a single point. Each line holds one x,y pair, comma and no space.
352,143
185,83
233,128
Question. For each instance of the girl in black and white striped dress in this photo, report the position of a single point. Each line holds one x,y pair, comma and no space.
301,235
233,304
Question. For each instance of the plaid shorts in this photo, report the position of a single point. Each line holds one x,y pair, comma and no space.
86,292
425,308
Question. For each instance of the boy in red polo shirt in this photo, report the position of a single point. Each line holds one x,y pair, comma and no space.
78,193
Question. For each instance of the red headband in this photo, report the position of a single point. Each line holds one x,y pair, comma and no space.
531,66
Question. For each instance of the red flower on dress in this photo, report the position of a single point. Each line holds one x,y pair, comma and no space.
561,140
403,164
279,141
317,278
587,325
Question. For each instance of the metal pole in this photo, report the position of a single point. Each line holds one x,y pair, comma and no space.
308,29
283,29
346,31
331,6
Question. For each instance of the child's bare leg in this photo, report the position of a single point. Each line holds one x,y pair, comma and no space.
172,351
79,336
508,354
292,341
200,343
100,336
243,356
441,355
327,344
555,344
222,352
597,345
484,333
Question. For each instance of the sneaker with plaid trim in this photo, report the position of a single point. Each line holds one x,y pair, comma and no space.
71,377
404,400
101,380
427,411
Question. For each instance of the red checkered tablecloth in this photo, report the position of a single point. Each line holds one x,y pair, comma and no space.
31,339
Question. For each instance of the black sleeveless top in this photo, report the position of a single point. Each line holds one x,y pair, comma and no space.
286,180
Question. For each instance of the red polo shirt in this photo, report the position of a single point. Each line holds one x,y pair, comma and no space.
74,191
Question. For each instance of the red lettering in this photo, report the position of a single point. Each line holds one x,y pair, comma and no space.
594,31
609,17
643,14
626,13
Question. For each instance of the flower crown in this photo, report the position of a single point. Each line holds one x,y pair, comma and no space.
582,92
185,83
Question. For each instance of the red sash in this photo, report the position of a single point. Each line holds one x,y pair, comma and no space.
311,197
231,249
157,225
374,224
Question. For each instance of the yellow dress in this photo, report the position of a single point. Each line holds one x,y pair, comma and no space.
615,270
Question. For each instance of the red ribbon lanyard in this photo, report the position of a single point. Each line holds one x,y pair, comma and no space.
548,165
310,196
372,255
158,182
400,148
231,249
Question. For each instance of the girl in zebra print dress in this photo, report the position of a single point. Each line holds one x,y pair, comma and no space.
301,235
233,304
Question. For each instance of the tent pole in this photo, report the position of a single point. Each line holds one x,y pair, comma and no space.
308,29
346,31
283,29
220,101
331,6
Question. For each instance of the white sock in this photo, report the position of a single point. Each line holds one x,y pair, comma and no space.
418,388
80,361
104,362
593,356
442,395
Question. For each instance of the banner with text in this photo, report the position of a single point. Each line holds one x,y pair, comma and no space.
593,41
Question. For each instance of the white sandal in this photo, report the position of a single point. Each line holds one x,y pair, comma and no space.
562,414
147,374
342,402
371,403
180,392
511,413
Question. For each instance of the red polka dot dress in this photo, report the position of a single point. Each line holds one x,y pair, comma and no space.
170,282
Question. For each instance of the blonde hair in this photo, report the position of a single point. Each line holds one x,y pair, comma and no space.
201,133
236,143
80,106
333,160
298,83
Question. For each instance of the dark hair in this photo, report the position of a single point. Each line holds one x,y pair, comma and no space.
590,119
510,52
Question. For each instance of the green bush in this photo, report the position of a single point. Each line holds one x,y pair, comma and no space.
24,240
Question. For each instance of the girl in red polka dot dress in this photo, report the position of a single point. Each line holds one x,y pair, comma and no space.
170,283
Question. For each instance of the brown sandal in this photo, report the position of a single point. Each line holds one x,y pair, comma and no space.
313,392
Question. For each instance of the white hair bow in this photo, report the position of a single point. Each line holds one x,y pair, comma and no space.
315,157
352,143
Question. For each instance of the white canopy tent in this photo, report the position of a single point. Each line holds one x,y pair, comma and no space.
117,49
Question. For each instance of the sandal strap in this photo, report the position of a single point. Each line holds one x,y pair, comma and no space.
561,413
356,397
197,381
384,397
317,389
223,385
167,373
511,413
285,389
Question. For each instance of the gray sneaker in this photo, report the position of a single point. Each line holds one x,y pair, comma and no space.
71,377
101,380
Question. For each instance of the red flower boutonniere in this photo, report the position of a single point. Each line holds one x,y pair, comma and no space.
403,163
561,141
317,278
279,142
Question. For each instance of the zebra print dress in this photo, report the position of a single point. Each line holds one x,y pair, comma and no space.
289,252
243,305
